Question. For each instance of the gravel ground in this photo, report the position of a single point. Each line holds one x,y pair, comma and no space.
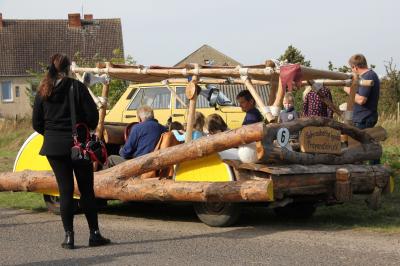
165,236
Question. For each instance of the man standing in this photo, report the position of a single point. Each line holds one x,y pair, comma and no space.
142,139
248,105
365,113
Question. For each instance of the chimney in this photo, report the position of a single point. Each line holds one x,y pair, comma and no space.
88,17
1,20
74,20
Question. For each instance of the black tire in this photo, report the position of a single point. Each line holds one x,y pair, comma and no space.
217,214
53,204
296,210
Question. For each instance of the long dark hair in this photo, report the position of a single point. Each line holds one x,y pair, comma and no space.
59,64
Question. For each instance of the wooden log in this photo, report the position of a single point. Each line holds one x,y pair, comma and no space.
253,73
103,110
279,95
348,117
343,190
274,81
188,151
364,152
271,130
377,133
114,134
108,186
191,94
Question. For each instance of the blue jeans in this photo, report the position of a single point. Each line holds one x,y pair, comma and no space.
368,122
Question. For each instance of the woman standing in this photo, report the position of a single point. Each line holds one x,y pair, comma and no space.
52,118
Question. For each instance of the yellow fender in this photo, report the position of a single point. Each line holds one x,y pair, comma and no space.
28,157
206,169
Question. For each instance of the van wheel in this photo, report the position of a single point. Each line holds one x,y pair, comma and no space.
53,204
217,214
296,210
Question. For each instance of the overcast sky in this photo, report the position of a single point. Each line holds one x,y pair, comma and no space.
162,32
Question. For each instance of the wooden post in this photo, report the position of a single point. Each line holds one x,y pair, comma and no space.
348,116
191,94
102,111
343,191
265,111
279,95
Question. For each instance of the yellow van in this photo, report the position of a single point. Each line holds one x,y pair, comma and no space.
166,105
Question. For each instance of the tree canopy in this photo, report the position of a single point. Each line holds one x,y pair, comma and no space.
294,56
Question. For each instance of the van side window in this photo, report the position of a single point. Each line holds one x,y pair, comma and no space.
200,103
131,94
155,97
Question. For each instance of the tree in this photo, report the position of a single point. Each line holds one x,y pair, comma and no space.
117,87
343,69
390,89
294,56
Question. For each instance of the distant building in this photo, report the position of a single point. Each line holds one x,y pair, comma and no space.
207,55
26,44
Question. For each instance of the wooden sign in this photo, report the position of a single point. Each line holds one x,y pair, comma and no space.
320,140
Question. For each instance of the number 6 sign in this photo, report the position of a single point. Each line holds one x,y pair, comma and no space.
282,137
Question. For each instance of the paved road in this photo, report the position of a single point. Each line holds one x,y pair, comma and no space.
164,235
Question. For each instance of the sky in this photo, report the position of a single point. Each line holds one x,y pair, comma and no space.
162,32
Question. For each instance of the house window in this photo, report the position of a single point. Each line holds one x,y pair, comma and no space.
6,92
208,62
16,91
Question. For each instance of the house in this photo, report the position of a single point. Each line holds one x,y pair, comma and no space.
28,44
207,55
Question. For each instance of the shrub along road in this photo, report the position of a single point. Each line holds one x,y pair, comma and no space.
33,238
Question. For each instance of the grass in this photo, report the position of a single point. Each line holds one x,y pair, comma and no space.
352,215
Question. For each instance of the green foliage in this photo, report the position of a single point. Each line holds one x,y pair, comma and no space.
390,89
343,69
294,56
117,87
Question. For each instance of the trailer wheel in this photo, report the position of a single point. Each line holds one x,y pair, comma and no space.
217,214
296,210
53,204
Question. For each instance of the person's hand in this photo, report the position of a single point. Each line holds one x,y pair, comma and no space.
346,90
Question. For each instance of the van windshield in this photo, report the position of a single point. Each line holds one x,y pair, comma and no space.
155,97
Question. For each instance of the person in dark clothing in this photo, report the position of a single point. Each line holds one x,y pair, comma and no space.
142,139
313,104
248,105
51,117
365,109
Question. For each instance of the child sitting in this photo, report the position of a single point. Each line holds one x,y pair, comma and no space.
288,113
215,124
199,121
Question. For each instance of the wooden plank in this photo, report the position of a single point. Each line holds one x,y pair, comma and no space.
320,140
293,169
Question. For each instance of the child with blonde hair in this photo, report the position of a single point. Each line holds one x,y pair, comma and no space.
288,113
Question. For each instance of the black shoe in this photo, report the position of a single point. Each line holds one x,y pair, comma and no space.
96,239
69,240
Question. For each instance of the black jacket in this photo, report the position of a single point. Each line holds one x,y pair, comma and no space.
52,117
